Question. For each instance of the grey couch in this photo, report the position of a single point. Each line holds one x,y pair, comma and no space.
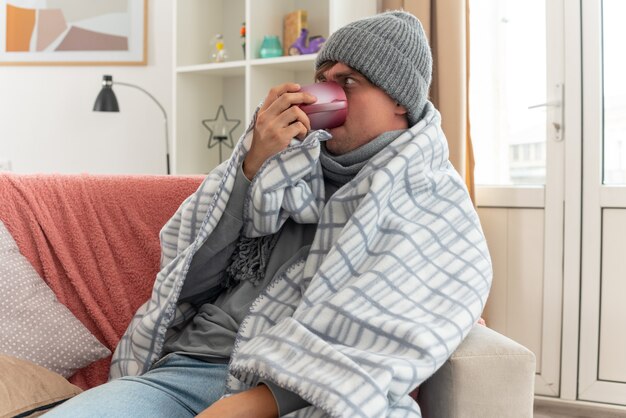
488,376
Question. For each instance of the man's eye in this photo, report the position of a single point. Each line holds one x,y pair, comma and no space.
349,81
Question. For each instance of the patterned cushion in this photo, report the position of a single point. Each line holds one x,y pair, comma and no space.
33,324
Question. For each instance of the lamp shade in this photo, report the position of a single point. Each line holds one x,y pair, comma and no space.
106,100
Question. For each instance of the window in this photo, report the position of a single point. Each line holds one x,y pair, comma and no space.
516,79
614,91
507,76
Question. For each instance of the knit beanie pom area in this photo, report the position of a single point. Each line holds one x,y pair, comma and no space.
392,51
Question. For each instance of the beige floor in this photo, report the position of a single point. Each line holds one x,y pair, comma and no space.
550,410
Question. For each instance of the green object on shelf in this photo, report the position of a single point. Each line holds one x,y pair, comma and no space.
270,47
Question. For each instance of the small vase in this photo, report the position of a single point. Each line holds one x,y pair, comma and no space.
270,47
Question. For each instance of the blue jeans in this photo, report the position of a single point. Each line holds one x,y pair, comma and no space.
176,386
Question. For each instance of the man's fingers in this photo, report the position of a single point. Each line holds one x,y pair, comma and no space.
292,115
278,122
297,130
277,91
301,124
287,100
303,117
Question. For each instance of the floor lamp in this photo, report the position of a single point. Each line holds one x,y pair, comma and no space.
107,102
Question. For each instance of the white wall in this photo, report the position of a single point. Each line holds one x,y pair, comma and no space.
46,121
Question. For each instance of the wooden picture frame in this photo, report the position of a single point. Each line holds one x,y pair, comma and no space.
73,32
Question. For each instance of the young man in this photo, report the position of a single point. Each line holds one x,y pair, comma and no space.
327,275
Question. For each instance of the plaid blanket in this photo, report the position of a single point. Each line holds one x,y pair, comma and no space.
395,278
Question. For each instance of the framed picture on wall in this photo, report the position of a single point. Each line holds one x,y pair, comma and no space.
73,32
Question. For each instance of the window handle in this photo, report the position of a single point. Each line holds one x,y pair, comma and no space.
547,104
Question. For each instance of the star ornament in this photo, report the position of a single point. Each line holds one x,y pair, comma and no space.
221,128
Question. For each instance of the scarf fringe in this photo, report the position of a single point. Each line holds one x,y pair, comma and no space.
249,260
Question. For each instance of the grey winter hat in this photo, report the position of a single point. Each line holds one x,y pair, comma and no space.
392,51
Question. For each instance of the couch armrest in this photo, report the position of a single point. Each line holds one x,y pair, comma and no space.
488,376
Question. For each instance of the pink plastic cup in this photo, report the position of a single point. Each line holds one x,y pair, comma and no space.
331,107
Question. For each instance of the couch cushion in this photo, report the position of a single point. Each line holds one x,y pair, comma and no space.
28,390
33,324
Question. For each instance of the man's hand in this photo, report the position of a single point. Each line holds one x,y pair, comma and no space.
278,121
257,402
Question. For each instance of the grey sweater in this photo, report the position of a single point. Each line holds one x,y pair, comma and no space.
211,333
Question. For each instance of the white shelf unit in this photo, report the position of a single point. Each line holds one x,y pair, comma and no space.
240,83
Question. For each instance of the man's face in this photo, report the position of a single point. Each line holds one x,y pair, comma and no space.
370,111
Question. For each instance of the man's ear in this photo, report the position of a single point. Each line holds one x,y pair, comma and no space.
400,110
